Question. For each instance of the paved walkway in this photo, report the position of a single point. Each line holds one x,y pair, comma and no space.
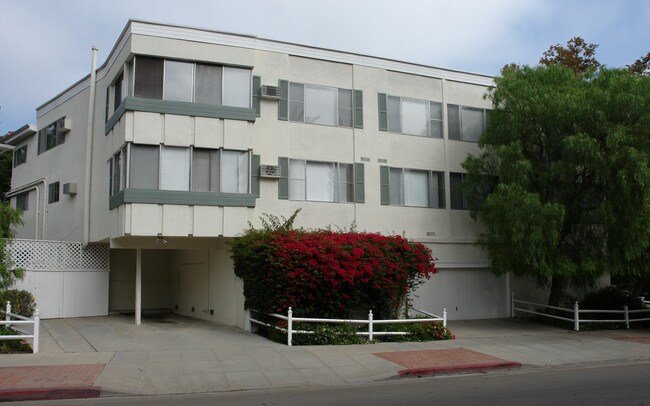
181,355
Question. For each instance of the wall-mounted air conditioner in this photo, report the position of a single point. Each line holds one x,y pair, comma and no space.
271,92
70,188
63,124
270,171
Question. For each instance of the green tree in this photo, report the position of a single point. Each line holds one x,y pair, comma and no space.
578,55
641,66
5,174
9,217
563,184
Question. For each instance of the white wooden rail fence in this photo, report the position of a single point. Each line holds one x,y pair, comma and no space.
35,321
574,314
369,321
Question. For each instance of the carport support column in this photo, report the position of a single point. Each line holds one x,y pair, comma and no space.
138,286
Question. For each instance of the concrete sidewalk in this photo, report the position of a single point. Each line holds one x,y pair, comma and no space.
110,356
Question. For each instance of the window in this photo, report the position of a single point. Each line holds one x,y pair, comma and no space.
410,116
466,123
163,79
189,169
22,201
52,135
458,201
119,91
412,187
117,171
321,181
53,192
20,155
324,105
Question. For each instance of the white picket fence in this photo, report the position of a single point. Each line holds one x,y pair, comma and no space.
369,321
16,319
628,316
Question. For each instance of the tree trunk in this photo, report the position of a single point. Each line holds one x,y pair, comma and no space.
558,284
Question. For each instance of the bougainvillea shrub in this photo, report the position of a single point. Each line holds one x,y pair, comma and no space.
324,273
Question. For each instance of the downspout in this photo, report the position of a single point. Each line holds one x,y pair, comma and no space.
89,147
34,186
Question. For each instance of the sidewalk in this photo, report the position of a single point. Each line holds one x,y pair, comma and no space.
110,356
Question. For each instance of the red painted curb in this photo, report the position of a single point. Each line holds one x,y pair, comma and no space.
459,368
13,395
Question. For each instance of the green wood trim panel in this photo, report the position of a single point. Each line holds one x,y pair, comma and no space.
255,175
115,117
180,197
116,200
358,108
257,94
283,182
382,99
180,108
283,103
359,191
384,189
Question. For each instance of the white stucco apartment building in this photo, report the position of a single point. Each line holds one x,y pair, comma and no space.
134,179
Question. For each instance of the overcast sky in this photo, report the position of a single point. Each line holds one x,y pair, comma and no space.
45,44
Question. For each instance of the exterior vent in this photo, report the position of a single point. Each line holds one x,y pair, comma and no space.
70,188
271,92
270,171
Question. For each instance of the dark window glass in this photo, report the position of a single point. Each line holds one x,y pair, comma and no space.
208,84
144,167
148,77
20,156
118,86
53,192
457,200
22,201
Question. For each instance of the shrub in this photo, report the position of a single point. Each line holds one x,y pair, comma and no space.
609,298
423,331
322,273
12,346
22,302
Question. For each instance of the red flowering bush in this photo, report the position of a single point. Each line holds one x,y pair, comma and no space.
323,273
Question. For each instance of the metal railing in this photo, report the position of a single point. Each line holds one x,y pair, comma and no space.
35,321
290,319
576,312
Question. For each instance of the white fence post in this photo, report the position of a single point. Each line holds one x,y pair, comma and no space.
37,331
627,317
576,317
512,304
8,313
289,326
444,317
370,325
247,321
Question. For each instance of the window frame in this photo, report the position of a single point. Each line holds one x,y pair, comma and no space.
22,201
336,189
435,195
191,169
222,88
457,133
51,136
305,102
395,119
53,192
20,156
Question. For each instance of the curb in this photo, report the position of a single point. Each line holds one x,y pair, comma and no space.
13,395
459,369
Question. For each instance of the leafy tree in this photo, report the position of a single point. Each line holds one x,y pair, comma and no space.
563,187
9,217
5,174
641,66
578,55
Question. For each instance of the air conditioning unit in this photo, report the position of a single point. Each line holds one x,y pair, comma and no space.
70,188
271,92
270,171
63,124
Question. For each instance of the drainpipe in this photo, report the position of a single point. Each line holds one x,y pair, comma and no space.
27,188
89,147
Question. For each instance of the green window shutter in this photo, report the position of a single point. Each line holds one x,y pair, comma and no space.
255,175
257,93
357,95
283,182
359,191
384,176
383,111
283,103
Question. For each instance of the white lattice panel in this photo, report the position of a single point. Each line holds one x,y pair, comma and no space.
38,255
